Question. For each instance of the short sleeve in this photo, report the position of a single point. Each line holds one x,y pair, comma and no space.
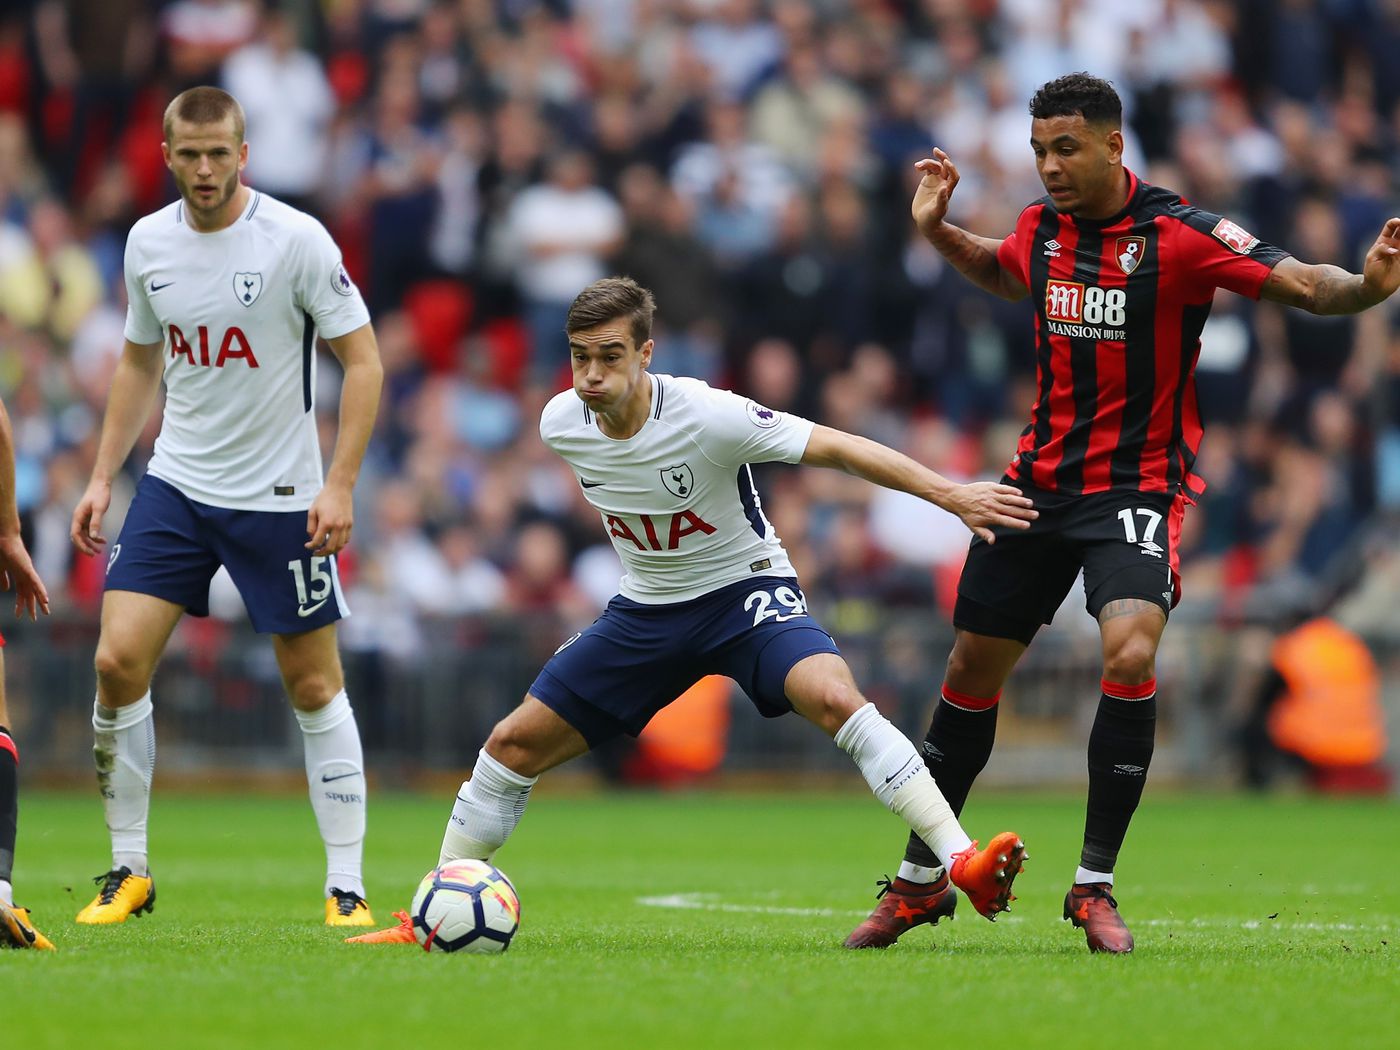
1015,249
1219,253
325,289
142,325
738,431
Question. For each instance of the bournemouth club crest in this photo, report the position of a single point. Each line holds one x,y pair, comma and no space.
1129,252
247,286
679,481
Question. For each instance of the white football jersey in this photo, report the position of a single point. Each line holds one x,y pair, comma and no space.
238,311
677,498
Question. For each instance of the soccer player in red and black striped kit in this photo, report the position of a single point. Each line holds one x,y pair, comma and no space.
1122,275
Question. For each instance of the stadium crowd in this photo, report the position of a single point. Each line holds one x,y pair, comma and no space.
482,160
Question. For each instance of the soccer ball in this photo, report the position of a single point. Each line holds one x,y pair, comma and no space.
465,906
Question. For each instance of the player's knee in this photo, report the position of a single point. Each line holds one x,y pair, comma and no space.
509,745
1131,661
311,690
120,673
831,705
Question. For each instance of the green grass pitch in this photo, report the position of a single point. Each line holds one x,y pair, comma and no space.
716,920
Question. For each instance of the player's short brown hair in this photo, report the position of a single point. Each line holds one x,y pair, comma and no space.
609,299
1081,94
203,105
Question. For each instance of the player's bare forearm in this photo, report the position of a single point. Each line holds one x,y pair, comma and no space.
979,505
974,257
358,353
9,512
134,386
876,463
1326,289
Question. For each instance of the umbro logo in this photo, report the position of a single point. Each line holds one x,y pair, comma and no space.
1129,770
1052,249
1151,549
931,751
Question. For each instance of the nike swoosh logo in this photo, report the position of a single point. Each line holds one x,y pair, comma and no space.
309,609
901,769
339,776
590,484
157,287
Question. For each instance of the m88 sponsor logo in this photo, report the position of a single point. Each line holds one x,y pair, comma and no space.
1086,311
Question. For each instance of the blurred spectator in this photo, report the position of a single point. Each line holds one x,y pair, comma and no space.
562,230
288,104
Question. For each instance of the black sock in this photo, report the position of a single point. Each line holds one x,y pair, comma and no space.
956,749
9,803
1120,751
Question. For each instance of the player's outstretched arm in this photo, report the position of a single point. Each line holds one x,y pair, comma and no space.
980,505
1326,289
16,569
332,516
134,386
972,256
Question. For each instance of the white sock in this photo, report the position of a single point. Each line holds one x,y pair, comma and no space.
918,873
897,775
488,807
1083,875
124,751
7,893
335,774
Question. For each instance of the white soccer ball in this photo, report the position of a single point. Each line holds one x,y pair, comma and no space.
465,906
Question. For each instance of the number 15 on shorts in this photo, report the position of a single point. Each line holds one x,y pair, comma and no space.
315,591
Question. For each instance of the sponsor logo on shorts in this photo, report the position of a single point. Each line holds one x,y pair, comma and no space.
306,610
112,559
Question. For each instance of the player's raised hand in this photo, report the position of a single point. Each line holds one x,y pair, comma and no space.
983,504
86,529
940,175
330,520
1382,269
18,571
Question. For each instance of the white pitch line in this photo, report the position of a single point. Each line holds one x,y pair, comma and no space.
711,902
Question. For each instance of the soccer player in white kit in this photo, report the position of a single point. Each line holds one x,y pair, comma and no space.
708,589
227,290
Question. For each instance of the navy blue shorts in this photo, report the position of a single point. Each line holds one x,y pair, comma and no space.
170,547
635,659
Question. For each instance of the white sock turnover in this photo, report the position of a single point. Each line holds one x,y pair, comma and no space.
488,808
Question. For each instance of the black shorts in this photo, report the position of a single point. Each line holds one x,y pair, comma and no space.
1124,541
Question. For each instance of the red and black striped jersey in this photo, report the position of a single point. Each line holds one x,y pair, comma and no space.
1119,308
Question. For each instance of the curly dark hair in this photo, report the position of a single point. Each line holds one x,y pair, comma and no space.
1082,94
609,299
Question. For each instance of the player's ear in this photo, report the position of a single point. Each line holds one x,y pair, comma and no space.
1114,144
243,155
165,153
646,349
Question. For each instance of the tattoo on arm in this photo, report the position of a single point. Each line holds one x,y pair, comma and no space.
1128,607
1338,291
